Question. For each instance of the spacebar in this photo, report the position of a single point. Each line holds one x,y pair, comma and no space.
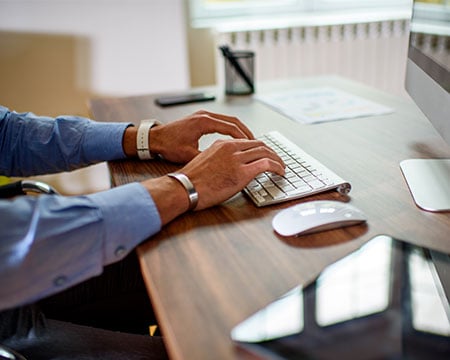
275,192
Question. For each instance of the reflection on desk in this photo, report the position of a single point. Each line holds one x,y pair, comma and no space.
385,299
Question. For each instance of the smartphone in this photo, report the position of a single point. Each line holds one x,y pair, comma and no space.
184,99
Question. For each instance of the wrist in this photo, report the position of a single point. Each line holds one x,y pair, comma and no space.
129,141
189,188
169,197
143,139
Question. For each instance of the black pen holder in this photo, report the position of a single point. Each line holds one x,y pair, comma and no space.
239,73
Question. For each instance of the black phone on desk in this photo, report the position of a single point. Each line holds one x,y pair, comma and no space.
187,98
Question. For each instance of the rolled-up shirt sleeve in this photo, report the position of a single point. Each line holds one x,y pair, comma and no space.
49,243
33,145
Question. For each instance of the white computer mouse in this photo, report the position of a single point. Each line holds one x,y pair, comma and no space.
315,216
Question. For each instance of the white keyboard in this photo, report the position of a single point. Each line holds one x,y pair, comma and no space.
304,175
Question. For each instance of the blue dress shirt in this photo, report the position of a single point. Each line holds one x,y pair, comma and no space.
49,242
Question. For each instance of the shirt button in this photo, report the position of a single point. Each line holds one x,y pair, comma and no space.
60,280
120,251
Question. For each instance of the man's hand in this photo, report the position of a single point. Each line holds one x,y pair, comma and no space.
217,174
227,167
178,141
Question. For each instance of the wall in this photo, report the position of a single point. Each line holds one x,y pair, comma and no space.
55,48
56,54
202,56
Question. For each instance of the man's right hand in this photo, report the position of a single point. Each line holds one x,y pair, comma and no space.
217,174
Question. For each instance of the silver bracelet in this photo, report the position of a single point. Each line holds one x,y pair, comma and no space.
143,139
190,189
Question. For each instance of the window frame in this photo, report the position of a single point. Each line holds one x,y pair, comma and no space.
216,15
198,11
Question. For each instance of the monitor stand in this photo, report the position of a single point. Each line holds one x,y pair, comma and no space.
429,182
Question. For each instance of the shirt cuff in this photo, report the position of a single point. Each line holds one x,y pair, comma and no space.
130,216
103,141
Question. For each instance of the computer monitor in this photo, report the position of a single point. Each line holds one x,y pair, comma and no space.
428,83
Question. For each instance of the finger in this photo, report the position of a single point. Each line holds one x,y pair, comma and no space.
260,152
259,166
218,126
249,150
245,145
230,119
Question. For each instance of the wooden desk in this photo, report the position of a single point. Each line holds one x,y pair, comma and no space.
208,270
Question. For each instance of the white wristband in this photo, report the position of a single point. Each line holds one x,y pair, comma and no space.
143,139
190,189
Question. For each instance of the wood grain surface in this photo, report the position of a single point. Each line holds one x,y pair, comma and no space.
208,270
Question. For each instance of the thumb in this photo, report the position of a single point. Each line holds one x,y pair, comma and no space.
182,155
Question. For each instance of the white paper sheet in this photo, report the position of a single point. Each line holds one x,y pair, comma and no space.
309,106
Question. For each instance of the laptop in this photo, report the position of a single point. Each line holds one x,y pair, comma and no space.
387,300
